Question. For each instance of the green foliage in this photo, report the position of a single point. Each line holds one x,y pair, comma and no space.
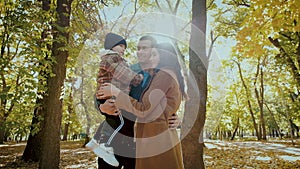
20,52
26,58
266,33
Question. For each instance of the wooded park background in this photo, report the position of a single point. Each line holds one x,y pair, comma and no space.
243,55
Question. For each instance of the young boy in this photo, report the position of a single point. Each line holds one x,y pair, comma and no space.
114,69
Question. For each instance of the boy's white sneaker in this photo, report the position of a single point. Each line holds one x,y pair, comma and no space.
107,154
102,151
92,144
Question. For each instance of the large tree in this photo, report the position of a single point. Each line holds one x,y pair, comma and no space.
52,105
195,109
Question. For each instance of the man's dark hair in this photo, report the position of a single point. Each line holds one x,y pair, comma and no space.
151,38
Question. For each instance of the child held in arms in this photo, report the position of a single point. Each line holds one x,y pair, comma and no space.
113,69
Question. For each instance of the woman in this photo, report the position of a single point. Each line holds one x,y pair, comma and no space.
157,145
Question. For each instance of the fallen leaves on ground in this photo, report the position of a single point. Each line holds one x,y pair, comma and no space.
74,155
230,156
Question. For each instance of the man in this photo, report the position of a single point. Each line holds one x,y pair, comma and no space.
124,144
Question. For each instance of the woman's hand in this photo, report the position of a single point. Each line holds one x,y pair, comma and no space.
107,90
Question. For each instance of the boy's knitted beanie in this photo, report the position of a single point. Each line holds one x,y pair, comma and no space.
112,40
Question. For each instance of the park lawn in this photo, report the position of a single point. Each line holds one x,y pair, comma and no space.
73,155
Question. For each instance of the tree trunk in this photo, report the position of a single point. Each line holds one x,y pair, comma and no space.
260,101
255,126
66,130
53,104
195,108
2,130
236,129
33,150
261,105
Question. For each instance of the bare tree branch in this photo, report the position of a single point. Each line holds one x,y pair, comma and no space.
213,40
131,19
176,7
102,1
170,6
158,6
242,3
121,14
210,4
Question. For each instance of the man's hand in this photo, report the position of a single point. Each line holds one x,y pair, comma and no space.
109,107
174,121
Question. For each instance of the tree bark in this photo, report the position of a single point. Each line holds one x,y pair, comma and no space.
195,109
261,105
53,104
236,129
66,131
260,101
33,150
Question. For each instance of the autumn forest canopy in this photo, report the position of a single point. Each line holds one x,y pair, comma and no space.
245,59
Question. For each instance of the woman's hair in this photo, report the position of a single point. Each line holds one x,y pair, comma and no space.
169,59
